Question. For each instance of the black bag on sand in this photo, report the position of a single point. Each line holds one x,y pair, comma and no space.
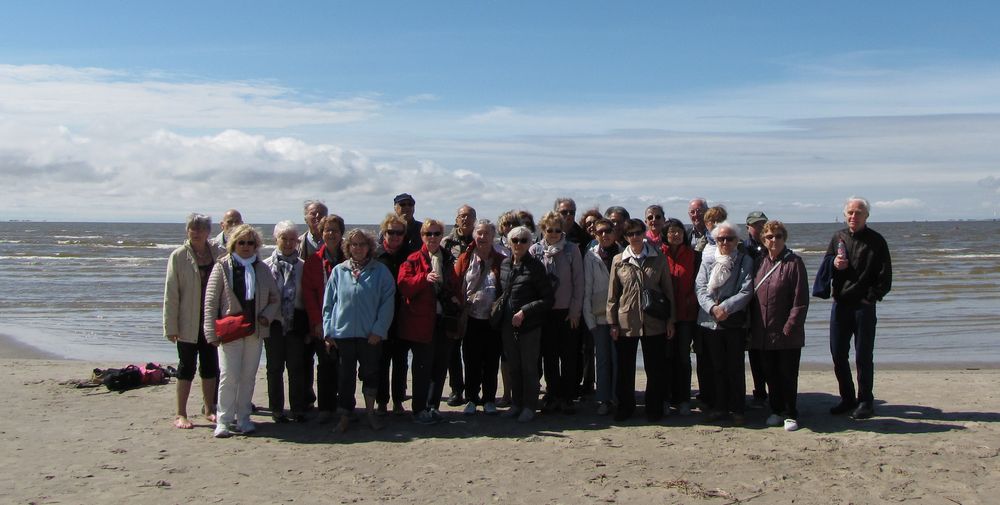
122,379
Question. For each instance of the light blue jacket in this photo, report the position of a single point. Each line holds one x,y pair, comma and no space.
356,308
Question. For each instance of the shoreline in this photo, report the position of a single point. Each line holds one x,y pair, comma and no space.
12,347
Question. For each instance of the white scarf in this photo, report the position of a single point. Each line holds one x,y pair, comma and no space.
249,275
721,271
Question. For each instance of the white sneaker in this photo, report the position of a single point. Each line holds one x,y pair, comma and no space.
526,415
470,408
490,408
773,420
222,431
791,425
246,427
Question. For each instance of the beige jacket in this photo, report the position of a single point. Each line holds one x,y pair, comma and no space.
221,300
182,307
627,282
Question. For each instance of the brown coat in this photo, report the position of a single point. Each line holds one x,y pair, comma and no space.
627,282
778,308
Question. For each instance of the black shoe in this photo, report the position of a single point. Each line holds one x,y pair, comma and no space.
455,399
622,416
280,418
864,411
843,407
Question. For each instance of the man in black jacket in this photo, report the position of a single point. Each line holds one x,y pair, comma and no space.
862,276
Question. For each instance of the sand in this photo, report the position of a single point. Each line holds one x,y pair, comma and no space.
936,439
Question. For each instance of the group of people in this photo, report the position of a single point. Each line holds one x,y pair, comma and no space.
569,300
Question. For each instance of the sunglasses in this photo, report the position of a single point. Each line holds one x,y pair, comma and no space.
518,241
604,231
727,238
654,217
250,243
636,233
394,233
433,233
553,230
568,212
774,237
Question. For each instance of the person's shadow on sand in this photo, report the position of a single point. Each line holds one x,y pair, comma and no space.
888,419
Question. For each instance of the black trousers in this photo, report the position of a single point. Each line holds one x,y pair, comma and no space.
394,360
326,377
781,370
429,368
703,368
560,348
481,349
357,358
586,373
757,372
725,346
286,351
654,359
455,377
678,389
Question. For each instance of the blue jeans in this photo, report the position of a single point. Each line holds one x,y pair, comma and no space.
607,363
858,321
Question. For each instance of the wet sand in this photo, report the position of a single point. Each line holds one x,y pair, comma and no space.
935,439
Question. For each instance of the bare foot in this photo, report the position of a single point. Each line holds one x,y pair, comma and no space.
182,423
210,415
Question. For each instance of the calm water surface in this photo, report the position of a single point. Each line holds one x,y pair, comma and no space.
95,290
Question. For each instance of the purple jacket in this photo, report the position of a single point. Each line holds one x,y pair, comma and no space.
779,306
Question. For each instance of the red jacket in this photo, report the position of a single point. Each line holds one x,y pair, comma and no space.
682,273
315,272
418,307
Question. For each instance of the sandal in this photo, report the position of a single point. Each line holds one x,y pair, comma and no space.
182,423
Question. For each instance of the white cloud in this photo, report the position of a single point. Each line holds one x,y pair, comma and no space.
900,203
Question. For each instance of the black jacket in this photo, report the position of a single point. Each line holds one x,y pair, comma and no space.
868,275
527,288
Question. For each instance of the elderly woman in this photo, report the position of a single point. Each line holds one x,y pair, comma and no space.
240,284
427,283
527,298
724,287
596,277
654,225
713,216
357,311
637,268
392,253
315,274
286,346
560,338
777,322
478,271
681,259
188,270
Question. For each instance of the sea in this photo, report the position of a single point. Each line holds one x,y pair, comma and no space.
94,291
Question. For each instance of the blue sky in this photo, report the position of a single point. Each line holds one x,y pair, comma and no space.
134,111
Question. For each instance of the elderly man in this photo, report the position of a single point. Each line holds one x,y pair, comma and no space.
575,233
753,245
457,242
313,212
405,205
861,277
698,231
230,220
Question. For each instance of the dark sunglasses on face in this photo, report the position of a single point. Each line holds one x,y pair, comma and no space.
568,212
604,231
654,217
394,233
553,230
727,238
518,241
774,237
635,233
433,233
250,243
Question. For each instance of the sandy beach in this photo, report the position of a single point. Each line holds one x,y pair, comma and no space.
936,439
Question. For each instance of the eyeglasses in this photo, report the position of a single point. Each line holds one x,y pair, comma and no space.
518,241
636,233
727,238
433,233
250,243
604,231
358,244
675,231
654,217
394,233
405,204
553,230
568,212
774,237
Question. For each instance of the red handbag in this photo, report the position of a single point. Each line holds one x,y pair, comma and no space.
231,328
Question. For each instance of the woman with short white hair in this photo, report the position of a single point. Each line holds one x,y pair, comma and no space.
286,346
724,287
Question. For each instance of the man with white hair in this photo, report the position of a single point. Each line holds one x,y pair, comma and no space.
861,277
313,211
